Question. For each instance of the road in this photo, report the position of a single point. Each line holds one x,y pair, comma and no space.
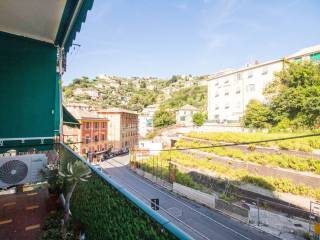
198,221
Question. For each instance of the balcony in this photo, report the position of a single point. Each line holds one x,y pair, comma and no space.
100,208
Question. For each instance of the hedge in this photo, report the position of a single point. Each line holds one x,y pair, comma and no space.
105,214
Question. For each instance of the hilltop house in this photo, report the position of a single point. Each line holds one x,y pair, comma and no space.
184,115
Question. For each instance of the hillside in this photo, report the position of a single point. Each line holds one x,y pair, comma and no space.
135,93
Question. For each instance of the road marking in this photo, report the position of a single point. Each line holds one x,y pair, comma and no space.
32,227
5,221
202,214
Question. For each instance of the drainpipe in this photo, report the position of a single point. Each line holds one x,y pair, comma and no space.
60,61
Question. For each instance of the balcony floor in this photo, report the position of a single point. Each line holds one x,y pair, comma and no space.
22,214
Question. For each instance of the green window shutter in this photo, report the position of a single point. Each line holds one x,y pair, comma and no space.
315,56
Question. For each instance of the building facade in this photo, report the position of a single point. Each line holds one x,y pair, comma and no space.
91,137
229,93
146,120
184,115
122,128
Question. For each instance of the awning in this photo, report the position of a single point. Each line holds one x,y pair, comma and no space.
52,21
69,119
74,15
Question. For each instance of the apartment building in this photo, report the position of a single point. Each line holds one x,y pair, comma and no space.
230,92
146,119
122,128
91,137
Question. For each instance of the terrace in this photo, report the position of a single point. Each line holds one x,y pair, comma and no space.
34,47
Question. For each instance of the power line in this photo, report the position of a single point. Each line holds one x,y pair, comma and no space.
237,144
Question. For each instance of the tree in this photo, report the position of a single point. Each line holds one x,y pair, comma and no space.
295,94
163,118
257,115
199,118
75,173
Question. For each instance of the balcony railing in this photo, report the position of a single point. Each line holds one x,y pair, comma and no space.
100,207
106,210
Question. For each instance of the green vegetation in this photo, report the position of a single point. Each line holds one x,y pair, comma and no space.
135,93
195,96
105,214
76,172
164,118
257,115
199,118
293,100
51,229
302,144
266,159
237,176
102,212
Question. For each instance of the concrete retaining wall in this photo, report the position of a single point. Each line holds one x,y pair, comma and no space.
226,206
195,195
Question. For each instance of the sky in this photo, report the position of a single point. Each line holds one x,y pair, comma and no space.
161,38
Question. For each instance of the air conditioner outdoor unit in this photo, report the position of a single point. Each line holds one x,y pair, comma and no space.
17,170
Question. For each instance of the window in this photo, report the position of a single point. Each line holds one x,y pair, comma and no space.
102,125
183,118
96,124
217,83
238,90
102,137
250,74
87,139
226,81
226,93
264,70
315,57
227,106
251,88
87,125
96,138
239,76
217,107
217,94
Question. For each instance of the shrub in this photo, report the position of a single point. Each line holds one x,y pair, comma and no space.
199,118
105,214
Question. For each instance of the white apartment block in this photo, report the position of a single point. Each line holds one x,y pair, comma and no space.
229,93
146,119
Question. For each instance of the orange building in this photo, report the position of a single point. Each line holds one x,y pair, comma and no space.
91,137
122,128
